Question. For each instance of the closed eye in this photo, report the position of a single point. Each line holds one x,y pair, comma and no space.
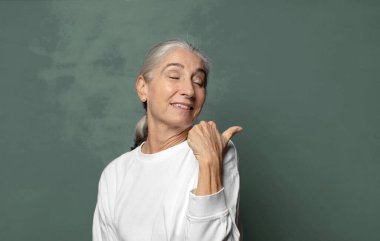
198,82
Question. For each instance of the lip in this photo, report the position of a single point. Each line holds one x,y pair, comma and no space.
182,103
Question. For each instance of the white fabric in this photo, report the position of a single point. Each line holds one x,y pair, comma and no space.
145,197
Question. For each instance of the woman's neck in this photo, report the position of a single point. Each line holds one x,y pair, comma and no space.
160,139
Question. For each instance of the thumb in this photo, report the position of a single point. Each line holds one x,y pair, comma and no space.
230,132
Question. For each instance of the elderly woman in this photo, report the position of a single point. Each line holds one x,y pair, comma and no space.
180,181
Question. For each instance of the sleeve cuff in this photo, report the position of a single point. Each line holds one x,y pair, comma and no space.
208,205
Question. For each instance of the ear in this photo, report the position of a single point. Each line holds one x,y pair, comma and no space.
141,88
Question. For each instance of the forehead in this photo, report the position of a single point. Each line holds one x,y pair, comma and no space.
182,56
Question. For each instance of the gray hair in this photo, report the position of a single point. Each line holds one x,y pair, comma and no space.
151,60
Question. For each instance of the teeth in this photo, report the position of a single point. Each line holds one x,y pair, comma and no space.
183,106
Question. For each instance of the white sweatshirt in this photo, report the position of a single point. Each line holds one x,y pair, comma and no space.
145,197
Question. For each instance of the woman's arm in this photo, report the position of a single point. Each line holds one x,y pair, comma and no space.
215,217
210,177
213,205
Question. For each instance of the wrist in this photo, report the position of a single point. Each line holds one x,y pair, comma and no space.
210,161
209,180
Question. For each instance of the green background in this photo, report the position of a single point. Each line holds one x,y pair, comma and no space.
301,77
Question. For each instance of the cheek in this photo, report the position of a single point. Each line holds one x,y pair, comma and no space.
201,96
157,91
164,91
160,97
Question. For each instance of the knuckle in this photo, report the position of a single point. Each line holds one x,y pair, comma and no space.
196,129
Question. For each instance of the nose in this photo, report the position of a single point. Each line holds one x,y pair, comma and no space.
187,88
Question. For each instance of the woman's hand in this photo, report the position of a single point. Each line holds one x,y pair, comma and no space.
208,146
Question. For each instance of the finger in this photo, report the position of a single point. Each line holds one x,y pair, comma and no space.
230,132
212,123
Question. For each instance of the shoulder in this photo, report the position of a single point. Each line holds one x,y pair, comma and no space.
115,169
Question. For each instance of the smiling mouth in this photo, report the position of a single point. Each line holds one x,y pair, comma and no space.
184,107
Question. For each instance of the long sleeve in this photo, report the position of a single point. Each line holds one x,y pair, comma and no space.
214,217
103,228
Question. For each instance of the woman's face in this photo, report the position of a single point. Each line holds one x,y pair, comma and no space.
175,94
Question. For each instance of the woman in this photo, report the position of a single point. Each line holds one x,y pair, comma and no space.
181,181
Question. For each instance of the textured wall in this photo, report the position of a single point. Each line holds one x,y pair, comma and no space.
301,77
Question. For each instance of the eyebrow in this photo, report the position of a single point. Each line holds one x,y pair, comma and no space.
181,66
